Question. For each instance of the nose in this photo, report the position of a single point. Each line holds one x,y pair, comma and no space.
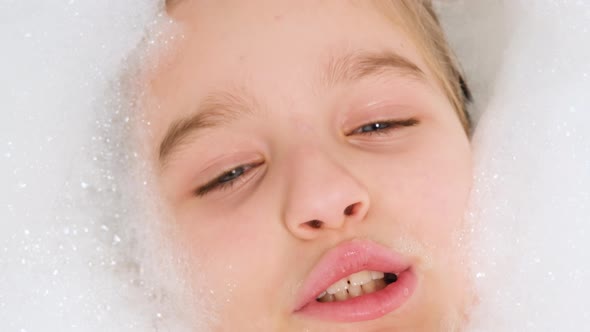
322,195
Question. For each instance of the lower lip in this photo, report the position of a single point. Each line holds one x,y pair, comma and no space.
366,307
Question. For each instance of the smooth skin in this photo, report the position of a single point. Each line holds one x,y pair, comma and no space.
294,130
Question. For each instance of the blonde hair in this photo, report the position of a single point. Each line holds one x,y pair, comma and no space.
421,23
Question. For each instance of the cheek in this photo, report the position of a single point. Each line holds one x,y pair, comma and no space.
443,191
221,249
426,191
232,235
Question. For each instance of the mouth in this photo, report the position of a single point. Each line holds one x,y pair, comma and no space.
355,285
356,281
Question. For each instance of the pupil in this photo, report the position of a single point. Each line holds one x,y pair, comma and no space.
232,175
374,126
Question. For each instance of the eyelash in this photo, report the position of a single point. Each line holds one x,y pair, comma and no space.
389,126
218,184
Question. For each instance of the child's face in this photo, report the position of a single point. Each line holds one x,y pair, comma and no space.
306,132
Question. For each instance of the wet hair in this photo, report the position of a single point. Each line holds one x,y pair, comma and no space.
421,23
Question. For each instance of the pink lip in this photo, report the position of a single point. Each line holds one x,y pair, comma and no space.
346,259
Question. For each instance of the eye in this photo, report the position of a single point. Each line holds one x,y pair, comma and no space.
383,127
227,179
373,127
232,175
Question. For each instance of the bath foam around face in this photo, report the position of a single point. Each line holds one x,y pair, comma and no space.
531,200
78,250
481,47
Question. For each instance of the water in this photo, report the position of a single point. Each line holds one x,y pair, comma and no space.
69,219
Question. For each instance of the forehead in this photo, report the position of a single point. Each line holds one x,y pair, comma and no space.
274,48
234,40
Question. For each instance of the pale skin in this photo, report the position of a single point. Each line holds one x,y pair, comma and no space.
308,136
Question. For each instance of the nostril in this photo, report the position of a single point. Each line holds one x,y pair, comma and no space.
315,224
349,210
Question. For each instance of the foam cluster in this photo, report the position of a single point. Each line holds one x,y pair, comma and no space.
530,210
73,253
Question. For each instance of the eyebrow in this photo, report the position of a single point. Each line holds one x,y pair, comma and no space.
217,109
354,66
222,107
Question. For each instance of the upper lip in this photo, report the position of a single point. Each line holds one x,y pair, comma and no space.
345,259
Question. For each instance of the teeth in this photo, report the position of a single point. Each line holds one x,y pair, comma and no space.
377,275
341,295
373,286
340,285
355,291
369,287
360,278
355,285
327,298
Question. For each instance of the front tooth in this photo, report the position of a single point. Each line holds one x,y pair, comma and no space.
360,278
355,291
340,285
341,295
321,295
377,275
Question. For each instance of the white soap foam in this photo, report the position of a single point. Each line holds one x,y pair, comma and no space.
531,203
78,250
58,232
